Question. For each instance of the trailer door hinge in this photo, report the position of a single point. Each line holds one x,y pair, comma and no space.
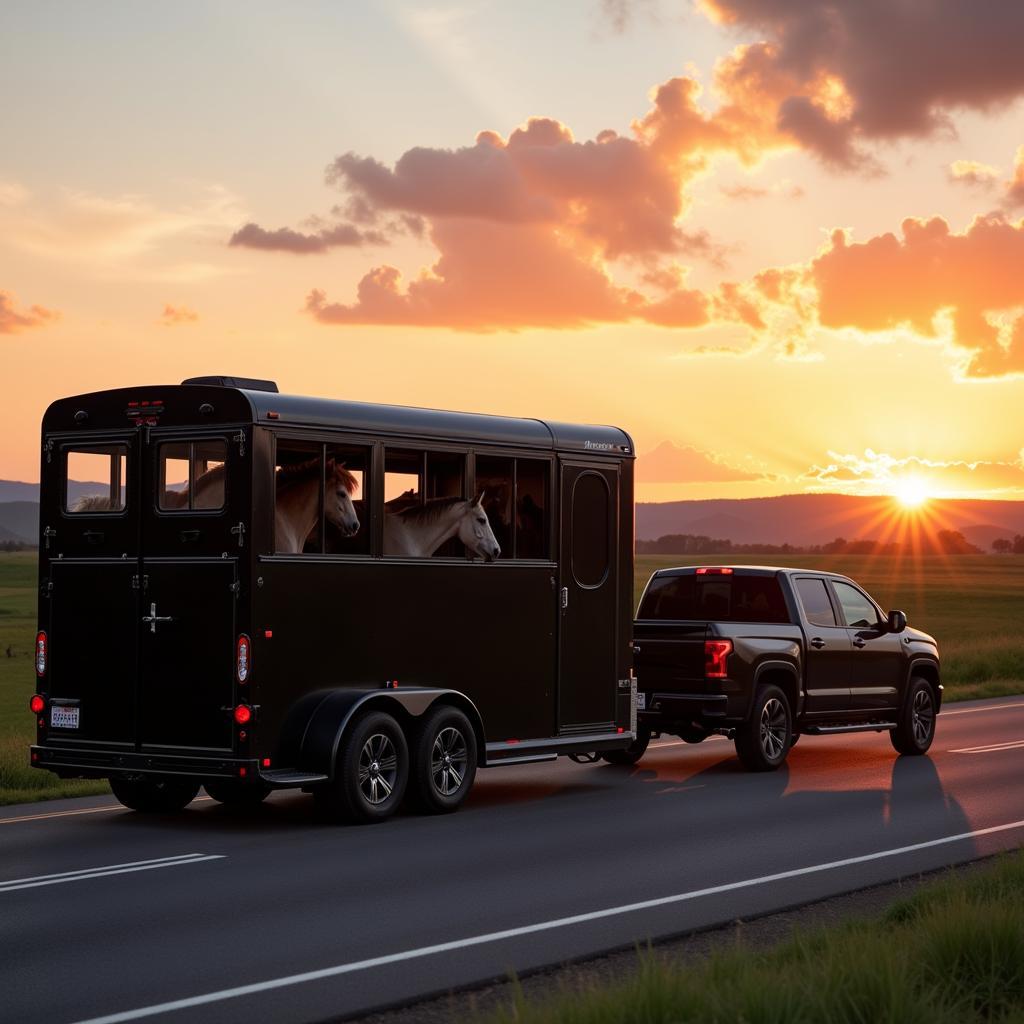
240,531
48,533
565,598
235,587
48,448
239,439
46,588
140,582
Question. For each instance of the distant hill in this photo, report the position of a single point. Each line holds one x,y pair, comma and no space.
20,520
15,490
805,519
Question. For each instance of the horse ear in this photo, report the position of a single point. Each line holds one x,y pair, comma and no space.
339,468
478,500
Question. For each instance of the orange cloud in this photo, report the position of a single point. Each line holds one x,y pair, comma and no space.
671,463
974,276
11,321
252,236
173,316
868,71
971,172
1015,186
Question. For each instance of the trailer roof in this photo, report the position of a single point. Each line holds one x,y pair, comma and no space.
105,408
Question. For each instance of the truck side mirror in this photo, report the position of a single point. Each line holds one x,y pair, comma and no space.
897,621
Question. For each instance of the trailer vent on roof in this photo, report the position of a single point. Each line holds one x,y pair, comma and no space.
245,383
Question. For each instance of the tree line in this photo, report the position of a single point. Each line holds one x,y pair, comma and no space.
1005,546
943,542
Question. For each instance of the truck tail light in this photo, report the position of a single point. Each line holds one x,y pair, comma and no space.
716,658
41,653
243,714
243,658
37,704
715,570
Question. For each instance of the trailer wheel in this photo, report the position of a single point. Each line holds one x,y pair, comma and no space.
631,754
237,794
443,761
915,728
156,795
371,773
763,741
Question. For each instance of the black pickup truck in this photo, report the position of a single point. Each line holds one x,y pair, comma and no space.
764,655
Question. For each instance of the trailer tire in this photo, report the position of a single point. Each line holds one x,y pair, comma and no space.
915,727
371,772
631,754
237,794
763,741
444,756
159,794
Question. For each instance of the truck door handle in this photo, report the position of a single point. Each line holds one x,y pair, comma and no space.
860,643
817,642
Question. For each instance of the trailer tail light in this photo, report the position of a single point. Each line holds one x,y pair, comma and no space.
716,570
243,658
37,704
41,653
716,658
243,714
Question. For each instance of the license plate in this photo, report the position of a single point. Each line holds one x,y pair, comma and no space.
63,716
641,700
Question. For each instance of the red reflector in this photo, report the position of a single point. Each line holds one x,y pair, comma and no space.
716,657
273,416
268,633
133,405
242,734
243,659
242,772
243,714
266,762
41,653
620,729
706,570
41,722
35,756
37,703
511,741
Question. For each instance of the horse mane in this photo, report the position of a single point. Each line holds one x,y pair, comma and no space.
92,503
428,511
294,473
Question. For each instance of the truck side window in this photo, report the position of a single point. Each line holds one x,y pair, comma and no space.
858,610
94,479
814,598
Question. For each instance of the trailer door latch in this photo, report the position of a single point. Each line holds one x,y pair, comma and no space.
152,618
239,531
565,598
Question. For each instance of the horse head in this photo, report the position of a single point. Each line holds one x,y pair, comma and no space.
339,509
475,531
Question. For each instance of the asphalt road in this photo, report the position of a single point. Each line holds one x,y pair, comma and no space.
273,915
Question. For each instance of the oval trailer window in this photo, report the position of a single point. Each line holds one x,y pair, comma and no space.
591,519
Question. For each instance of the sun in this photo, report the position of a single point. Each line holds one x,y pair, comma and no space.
910,492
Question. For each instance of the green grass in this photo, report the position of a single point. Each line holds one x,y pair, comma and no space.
971,604
953,951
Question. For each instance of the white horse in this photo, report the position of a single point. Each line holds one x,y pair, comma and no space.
418,531
297,507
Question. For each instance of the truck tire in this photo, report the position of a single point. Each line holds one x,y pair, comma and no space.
237,794
161,794
631,754
915,727
371,772
763,741
444,756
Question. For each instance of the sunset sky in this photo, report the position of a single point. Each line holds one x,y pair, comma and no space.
779,242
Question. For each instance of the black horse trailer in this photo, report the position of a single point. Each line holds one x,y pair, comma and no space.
247,590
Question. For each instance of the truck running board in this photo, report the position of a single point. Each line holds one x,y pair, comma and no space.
828,730
288,778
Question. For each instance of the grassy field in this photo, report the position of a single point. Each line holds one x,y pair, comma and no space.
953,951
972,604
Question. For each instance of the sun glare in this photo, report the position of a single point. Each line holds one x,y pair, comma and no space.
910,492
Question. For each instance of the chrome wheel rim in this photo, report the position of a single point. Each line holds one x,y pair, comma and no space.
922,717
378,768
773,728
448,760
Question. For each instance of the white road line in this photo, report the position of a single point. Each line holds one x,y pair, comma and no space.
530,929
971,711
83,810
108,869
990,748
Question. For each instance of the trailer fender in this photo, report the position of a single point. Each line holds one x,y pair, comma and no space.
318,722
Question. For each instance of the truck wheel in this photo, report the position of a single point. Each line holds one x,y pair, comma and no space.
631,754
156,795
443,761
915,727
371,772
237,794
763,741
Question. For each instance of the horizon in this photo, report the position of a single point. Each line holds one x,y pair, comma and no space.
700,221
